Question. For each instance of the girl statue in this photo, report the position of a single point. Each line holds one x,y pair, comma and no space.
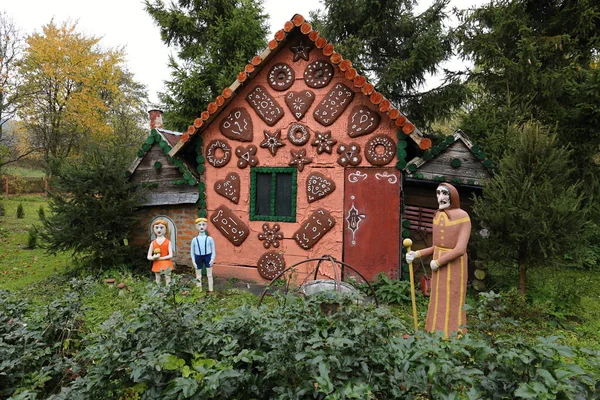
161,251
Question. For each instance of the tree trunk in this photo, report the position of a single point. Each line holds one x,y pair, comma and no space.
522,272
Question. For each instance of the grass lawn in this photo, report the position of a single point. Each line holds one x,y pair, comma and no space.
24,172
19,265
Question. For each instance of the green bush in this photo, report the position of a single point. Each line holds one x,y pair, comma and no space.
20,211
2,209
32,238
391,291
42,213
175,347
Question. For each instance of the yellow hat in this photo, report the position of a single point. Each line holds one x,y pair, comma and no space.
198,220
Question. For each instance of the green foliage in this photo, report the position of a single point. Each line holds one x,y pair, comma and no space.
32,238
531,209
37,344
93,209
215,40
535,60
391,291
41,213
173,347
2,209
20,211
396,49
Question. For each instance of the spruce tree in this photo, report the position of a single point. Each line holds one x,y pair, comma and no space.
92,208
215,40
532,210
397,49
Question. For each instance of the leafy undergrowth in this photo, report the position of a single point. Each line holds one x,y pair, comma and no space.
176,342
21,266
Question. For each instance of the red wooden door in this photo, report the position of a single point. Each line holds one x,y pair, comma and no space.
372,220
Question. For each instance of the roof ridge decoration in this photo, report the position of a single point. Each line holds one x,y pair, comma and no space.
157,137
436,151
357,81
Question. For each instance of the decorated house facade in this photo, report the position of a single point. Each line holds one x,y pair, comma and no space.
300,157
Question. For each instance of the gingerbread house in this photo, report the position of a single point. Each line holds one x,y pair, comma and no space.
298,158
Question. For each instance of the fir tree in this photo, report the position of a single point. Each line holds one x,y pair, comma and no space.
92,209
532,210
215,40
397,50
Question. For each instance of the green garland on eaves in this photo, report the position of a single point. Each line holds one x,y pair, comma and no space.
155,137
401,150
202,204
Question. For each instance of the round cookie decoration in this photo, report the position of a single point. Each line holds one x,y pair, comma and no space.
270,264
349,154
298,134
218,153
281,77
380,150
318,74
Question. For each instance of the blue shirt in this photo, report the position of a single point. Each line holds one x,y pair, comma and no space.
203,245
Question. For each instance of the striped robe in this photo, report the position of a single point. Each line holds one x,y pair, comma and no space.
451,232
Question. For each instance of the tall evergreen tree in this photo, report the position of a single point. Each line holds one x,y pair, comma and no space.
215,40
396,49
536,60
532,210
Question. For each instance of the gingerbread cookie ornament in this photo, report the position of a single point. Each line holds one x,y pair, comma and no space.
299,102
247,156
380,150
298,134
229,187
323,142
333,105
272,141
230,225
218,153
318,186
270,264
281,77
270,237
301,50
349,154
237,125
299,159
318,74
265,105
314,228
362,121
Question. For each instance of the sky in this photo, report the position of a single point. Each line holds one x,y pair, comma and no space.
125,23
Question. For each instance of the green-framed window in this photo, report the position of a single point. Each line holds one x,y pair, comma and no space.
273,194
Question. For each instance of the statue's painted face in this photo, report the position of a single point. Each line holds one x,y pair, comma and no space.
201,226
159,230
443,197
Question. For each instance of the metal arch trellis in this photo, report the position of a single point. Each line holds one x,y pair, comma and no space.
336,270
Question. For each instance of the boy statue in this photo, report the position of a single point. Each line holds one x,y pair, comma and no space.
203,253
451,232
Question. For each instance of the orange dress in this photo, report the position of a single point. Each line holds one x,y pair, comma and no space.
161,265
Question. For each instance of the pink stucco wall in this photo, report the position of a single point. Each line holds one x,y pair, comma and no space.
229,257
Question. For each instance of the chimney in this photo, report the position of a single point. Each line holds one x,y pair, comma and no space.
155,119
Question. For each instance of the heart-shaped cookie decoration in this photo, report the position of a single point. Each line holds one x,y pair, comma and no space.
229,187
299,102
318,186
237,125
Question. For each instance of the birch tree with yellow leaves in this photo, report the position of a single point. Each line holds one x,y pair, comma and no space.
71,87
